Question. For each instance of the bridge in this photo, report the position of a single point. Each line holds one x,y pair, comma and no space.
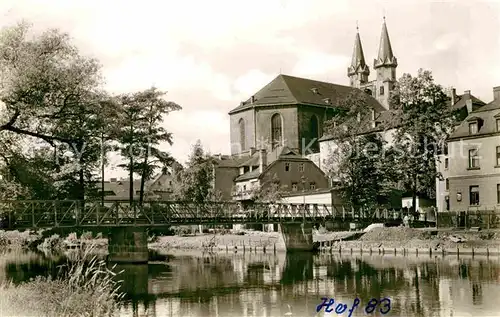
126,222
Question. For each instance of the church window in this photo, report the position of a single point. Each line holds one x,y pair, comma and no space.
314,133
393,73
241,124
276,130
381,90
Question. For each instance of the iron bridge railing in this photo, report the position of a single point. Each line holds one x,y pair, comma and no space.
15,214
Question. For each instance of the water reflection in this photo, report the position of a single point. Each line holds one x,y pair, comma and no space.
273,285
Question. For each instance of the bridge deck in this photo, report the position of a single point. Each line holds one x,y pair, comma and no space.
66,213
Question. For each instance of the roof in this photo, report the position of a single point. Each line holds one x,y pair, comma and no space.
231,161
285,155
461,102
289,90
486,114
358,63
385,55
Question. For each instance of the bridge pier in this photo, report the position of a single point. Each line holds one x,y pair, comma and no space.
298,236
128,245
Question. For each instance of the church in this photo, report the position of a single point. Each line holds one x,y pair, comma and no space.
284,122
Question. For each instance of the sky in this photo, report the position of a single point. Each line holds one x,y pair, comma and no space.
210,55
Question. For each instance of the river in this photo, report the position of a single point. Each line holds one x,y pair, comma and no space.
251,284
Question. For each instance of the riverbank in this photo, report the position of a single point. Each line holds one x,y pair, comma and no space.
377,238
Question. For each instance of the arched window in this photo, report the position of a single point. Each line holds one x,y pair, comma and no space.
276,130
241,124
314,132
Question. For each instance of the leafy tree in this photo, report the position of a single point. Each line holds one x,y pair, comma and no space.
425,122
358,159
269,191
197,179
51,92
153,158
142,133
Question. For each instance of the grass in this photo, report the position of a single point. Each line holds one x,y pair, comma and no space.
85,287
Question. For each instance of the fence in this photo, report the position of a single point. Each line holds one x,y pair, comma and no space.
484,219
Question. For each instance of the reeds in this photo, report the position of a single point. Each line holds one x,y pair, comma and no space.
84,287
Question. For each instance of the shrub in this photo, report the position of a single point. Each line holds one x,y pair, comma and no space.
87,288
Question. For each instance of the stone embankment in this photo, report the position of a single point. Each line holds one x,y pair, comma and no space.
399,238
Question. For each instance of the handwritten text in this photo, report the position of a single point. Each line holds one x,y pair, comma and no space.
383,305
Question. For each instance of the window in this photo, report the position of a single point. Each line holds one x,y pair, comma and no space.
498,125
381,90
276,130
498,156
473,158
312,185
447,202
447,184
474,195
244,188
294,187
301,167
446,163
393,73
287,167
498,193
241,124
170,183
473,128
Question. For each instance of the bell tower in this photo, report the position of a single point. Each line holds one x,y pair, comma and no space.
358,72
385,65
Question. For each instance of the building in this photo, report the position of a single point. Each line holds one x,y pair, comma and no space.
291,111
159,188
471,166
292,173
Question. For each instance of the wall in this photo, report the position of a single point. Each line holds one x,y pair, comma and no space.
224,177
328,146
245,189
461,178
310,198
234,130
289,125
304,116
441,192
311,172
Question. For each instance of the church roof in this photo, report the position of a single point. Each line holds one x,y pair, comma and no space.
358,63
290,90
385,54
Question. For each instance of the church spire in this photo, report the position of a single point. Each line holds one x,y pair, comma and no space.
358,69
385,54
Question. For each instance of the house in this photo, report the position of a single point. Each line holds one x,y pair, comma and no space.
159,188
291,171
471,166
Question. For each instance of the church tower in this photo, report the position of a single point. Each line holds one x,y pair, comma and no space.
385,66
358,71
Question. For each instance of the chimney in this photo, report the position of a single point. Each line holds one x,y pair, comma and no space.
468,101
252,99
252,150
373,117
262,160
113,180
496,93
453,95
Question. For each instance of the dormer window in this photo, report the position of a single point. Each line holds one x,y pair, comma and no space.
473,128
327,101
314,90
